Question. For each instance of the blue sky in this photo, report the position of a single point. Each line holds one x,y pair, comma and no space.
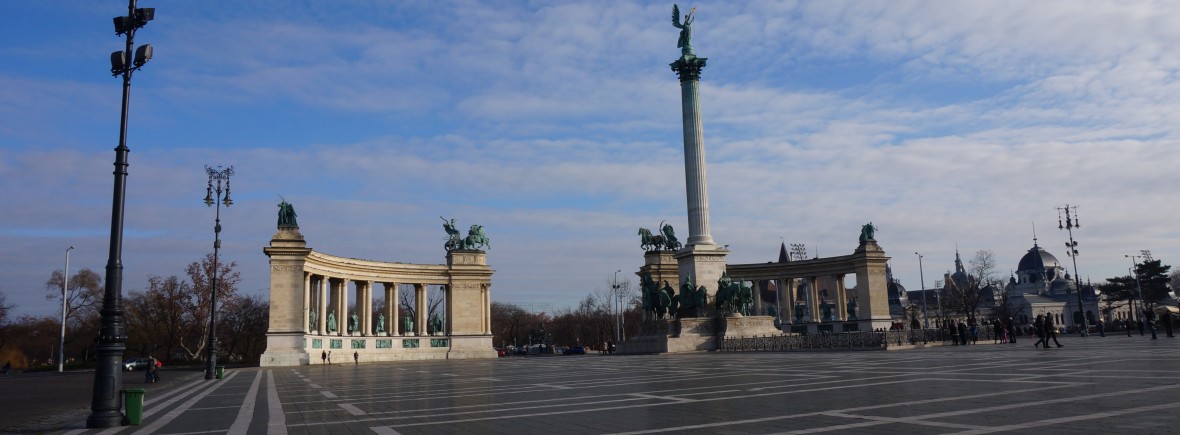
557,126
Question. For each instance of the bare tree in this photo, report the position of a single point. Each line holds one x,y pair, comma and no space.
244,326
83,295
4,325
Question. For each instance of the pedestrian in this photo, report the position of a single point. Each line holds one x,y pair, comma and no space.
963,333
356,358
1050,331
1039,330
1101,328
1008,324
1149,319
149,374
324,357
1168,323
7,368
329,357
156,370
974,333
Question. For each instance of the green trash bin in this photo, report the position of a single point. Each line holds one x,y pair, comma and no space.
133,400
220,372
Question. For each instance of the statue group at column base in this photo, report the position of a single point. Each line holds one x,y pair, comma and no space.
693,334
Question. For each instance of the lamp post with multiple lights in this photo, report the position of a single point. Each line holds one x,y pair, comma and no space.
1071,222
105,405
922,275
618,304
219,175
1138,290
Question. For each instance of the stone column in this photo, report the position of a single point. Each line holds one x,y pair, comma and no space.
688,67
841,297
286,331
307,303
813,299
323,301
390,308
420,307
365,308
342,308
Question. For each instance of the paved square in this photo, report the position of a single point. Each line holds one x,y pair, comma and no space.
1092,385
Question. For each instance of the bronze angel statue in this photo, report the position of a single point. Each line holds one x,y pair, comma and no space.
685,41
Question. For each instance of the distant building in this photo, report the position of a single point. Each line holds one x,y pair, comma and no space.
1041,285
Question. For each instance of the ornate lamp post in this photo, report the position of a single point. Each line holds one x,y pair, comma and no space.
61,343
105,406
219,175
1071,246
922,275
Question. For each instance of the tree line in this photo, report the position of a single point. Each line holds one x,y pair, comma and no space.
169,319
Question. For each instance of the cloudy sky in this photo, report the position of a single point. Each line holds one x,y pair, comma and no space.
557,126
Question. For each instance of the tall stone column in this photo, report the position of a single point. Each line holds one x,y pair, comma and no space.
288,319
701,258
688,67
391,324
324,303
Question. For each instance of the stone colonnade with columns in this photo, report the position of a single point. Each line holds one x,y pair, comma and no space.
801,286
303,282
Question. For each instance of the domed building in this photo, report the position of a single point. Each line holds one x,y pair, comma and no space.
1041,285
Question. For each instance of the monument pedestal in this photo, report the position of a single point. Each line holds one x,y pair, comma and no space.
748,326
704,263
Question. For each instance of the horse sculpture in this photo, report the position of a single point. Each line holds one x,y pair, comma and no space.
649,241
476,238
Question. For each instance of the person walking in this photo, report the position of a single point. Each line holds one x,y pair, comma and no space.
324,357
329,357
150,373
1039,330
356,358
1050,331
1011,327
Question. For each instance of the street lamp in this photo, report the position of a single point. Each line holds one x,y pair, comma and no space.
1138,292
922,275
61,343
105,405
1071,246
618,304
219,175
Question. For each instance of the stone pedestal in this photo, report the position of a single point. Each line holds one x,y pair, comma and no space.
871,285
738,326
285,334
704,263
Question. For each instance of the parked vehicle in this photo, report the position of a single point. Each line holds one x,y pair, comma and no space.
133,364
575,350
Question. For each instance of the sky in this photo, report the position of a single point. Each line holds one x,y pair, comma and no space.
556,125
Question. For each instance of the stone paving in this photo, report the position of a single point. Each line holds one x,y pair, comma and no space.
1092,385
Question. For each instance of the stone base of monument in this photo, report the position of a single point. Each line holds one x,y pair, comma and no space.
471,346
695,334
284,350
738,326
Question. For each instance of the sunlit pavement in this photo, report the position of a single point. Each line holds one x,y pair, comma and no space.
1114,384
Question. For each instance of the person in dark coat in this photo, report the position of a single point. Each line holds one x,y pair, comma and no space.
1039,330
1050,332
963,333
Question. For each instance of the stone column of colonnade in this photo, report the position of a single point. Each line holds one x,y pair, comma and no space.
391,324
310,304
841,297
342,307
420,308
322,302
813,299
366,312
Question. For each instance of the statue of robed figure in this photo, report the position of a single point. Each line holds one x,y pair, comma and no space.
685,41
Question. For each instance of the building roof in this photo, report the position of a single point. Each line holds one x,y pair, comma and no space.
1037,259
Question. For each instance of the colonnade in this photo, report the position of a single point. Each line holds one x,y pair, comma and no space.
324,294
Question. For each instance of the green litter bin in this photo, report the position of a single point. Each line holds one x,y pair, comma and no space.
133,400
220,372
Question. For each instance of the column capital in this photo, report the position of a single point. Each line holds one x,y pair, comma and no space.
689,67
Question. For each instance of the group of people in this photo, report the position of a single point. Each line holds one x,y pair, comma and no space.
1044,329
152,374
608,347
962,333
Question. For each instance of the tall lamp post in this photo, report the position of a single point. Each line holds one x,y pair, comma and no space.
105,405
219,175
1138,291
61,343
922,276
1071,222
618,304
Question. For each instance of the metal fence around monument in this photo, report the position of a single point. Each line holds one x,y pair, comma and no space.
866,340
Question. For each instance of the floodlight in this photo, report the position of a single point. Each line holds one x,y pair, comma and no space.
142,55
122,25
118,62
143,15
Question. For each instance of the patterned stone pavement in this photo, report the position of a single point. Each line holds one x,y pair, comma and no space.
1092,385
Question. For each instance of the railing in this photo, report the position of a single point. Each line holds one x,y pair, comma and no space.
868,340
